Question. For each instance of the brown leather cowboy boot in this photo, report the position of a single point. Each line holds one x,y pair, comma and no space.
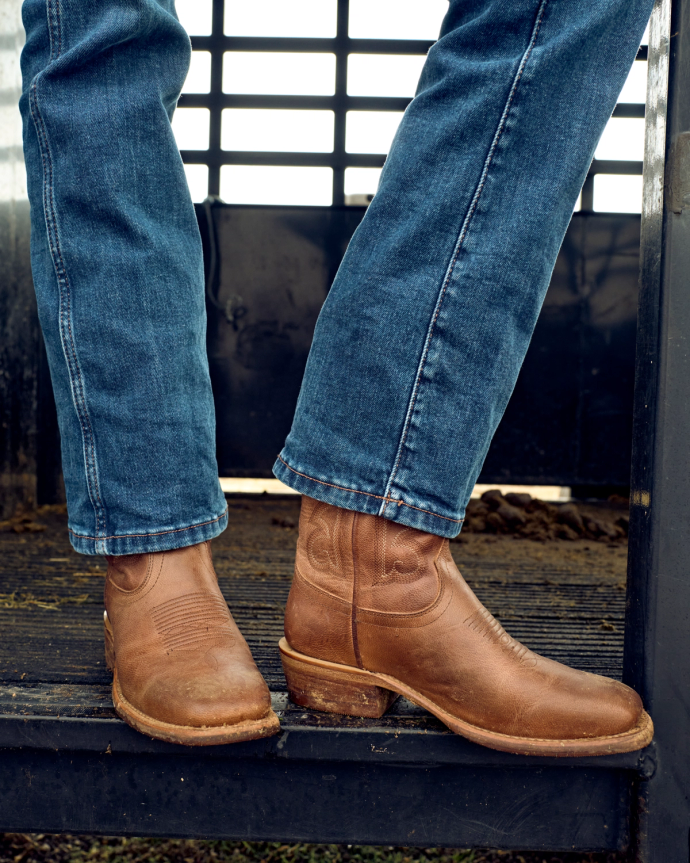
378,609
182,671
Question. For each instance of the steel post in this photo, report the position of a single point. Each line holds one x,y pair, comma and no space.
658,624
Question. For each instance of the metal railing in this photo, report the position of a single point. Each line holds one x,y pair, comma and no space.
217,44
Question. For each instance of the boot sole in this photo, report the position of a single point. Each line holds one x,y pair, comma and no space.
335,688
187,735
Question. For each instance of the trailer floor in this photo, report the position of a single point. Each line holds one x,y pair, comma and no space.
564,599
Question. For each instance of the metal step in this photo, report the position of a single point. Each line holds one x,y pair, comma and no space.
67,763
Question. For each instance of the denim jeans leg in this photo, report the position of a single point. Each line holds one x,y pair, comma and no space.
118,271
421,339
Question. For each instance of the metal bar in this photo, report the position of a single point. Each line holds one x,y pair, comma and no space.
340,103
609,166
405,736
251,157
629,109
318,46
329,103
331,46
332,103
315,801
657,649
216,106
343,160
646,382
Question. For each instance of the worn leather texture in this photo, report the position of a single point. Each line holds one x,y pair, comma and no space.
389,599
179,655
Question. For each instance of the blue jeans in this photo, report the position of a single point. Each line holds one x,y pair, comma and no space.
419,344
118,270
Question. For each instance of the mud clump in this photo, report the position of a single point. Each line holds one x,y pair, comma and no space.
524,516
26,519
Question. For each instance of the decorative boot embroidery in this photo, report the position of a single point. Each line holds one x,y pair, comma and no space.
193,621
398,554
322,547
486,625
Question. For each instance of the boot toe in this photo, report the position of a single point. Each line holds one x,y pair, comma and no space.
205,701
203,698
589,706
615,710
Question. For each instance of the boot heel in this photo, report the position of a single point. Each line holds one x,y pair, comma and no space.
109,643
332,690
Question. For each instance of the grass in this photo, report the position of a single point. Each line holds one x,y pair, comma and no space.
45,848
51,603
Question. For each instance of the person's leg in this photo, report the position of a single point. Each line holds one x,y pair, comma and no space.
118,270
117,265
421,338
415,355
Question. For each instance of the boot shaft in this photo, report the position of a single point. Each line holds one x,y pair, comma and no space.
366,560
349,563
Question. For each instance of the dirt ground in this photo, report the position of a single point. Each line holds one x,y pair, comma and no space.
587,538
529,518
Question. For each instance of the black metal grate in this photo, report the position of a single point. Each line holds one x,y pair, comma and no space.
217,44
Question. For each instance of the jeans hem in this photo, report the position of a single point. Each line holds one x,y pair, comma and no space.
145,543
367,502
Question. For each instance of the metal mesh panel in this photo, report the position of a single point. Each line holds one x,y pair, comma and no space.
217,44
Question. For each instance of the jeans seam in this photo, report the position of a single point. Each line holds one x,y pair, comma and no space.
65,298
53,16
369,494
456,252
158,533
